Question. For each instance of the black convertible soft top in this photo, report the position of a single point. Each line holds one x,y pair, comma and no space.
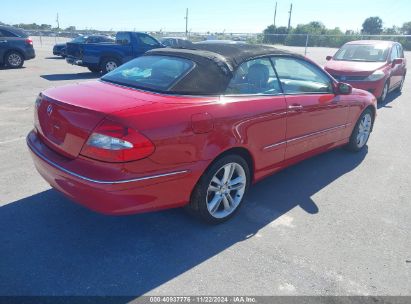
215,64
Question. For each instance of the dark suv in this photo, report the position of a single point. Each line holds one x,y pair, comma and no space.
15,47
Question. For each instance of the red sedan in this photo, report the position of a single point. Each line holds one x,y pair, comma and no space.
192,127
378,67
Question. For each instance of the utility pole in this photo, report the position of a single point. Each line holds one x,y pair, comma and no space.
57,20
289,18
275,12
186,22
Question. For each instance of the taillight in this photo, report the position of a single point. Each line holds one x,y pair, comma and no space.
29,41
113,142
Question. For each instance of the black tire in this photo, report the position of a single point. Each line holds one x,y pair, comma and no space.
106,62
200,194
14,59
94,69
383,96
353,145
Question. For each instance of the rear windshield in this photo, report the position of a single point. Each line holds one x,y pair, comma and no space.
14,32
362,52
153,73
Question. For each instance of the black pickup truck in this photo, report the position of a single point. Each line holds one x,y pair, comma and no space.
15,47
105,57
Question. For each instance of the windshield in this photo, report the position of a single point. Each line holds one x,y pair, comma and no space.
362,52
79,39
153,73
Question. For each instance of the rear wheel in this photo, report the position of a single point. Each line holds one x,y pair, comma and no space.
361,133
221,190
109,64
14,60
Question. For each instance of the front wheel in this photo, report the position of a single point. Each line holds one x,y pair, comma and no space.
384,92
361,133
14,60
221,190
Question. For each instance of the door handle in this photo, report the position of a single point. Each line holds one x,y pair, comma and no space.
295,107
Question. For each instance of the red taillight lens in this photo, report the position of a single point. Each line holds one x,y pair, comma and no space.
29,41
112,142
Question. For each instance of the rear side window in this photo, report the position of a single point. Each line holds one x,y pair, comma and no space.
4,33
301,77
147,40
153,73
123,38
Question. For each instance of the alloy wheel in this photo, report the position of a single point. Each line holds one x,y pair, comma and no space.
110,66
384,92
14,60
226,190
364,130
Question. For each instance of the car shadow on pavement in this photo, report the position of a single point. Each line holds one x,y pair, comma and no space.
54,57
389,99
73,76
52,246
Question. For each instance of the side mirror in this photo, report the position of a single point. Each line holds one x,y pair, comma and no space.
328,58
343,88
397,61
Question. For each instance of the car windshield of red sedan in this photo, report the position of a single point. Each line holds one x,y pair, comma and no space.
362,52
152,73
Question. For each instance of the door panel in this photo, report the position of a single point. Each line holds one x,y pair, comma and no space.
315,115
319,121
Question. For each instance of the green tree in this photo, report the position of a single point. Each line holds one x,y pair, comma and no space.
71,29
275,35
372,26
406,28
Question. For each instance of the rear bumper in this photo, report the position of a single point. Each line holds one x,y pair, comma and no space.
29,54
144,192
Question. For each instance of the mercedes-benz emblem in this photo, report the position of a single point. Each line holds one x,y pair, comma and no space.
49,110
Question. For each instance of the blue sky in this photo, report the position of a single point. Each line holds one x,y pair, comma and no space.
205,15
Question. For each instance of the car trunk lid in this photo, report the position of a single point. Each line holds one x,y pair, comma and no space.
66,116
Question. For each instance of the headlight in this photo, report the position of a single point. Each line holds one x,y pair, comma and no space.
377,75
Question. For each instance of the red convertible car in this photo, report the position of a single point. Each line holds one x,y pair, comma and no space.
377,66
192,127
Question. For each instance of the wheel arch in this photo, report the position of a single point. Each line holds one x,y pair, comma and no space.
240,151
11,51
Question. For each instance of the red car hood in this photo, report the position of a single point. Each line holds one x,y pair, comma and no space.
353,67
